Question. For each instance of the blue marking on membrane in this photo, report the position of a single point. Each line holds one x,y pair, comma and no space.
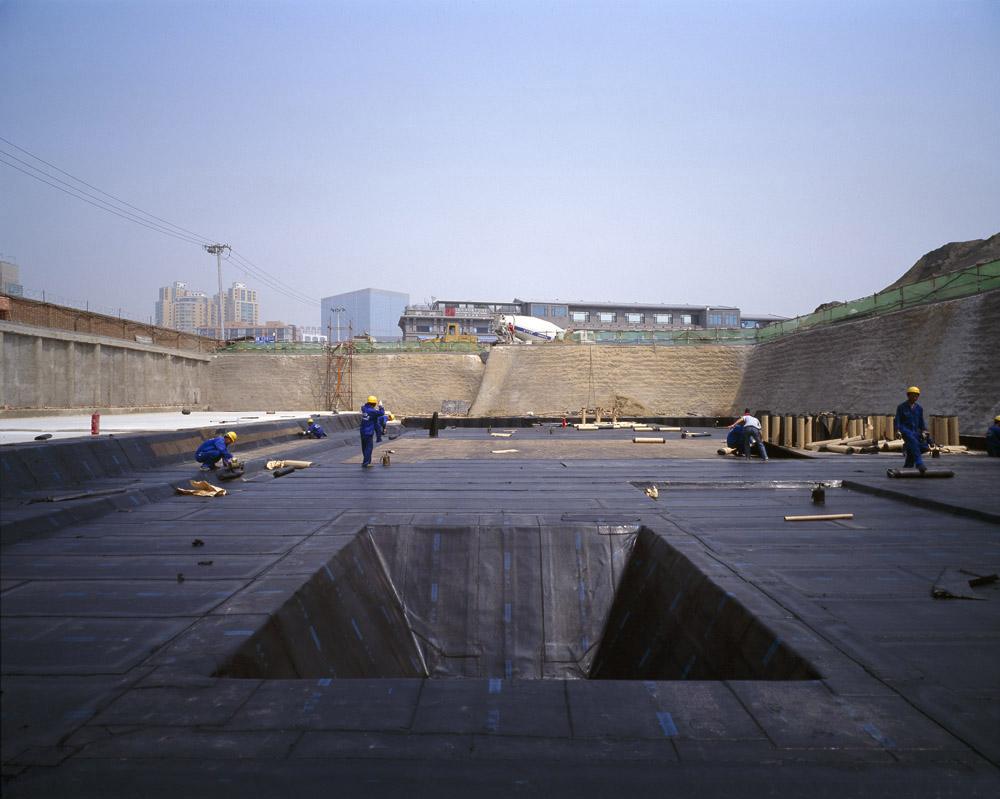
493,720
312,632
508,669
687,666
770,651
436,542
649,649
877,734
148,593
357,632
269,591
240,633
579,542
506,561
79,713
676,600
434,592
624,618
667,724
495,685
585,642
506,612
581,591
329,573
357,563
324,683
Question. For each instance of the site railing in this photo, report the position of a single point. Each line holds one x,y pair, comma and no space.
951,286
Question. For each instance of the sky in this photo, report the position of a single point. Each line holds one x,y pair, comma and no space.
767,155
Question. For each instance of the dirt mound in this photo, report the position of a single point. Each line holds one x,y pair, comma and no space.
956,255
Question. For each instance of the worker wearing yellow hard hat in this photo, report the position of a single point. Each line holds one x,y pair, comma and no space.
993,438
212,450
912,429
372,420
313,430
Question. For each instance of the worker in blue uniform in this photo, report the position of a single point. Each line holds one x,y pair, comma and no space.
911,427
371,420
314,430
380,427
734,439
212,450
993,438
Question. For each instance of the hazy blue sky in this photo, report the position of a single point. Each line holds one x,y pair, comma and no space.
771,155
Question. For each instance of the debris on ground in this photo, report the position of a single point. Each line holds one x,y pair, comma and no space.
653,492
954,583
197,543
825,517
292,464
201,488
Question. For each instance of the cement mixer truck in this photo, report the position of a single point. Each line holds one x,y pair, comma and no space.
527,329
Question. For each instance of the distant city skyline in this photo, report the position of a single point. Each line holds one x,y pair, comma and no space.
768,155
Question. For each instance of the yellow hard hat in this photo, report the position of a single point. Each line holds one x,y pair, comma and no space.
372,399
913,390
230,436
309,420
996,418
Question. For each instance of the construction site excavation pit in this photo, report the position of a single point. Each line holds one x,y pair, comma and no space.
615,602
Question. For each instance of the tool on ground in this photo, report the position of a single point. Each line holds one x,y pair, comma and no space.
232,471
826,517
819,494
653,492
197,543
385,459
927,475
689,434
43,437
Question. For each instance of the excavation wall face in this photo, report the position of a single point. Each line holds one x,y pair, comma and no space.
652,381
43,368
527,603
949,349
407,383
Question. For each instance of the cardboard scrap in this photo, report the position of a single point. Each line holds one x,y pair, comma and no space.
200,488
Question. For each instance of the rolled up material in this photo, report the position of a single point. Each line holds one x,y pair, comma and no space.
916,473
648,440
843,449
896,445
953,432
293,464
825,517
725,451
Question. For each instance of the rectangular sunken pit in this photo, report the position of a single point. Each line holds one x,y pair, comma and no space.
586,602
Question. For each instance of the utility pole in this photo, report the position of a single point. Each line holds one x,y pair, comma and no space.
216,250
338,311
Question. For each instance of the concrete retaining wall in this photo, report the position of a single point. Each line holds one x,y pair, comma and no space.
949,349
655,381
42,368
407,383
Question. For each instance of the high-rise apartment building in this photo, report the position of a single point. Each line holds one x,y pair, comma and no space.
181,308
10,279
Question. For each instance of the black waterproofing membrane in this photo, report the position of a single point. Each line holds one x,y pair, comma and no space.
575,601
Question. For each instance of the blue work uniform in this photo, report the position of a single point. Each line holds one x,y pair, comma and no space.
734,440
993,440
380,426
211,450
315,431
751,436
910,423
371,420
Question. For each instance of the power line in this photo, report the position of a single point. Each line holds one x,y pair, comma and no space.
198,236
139,216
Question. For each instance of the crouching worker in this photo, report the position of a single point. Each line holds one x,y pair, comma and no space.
372,417
993,438
734,439
313,430
214,449
913,431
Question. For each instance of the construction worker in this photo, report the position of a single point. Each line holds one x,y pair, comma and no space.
911,427
212,449
993,438
734,439
313,430
751,434
380,427
371,421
